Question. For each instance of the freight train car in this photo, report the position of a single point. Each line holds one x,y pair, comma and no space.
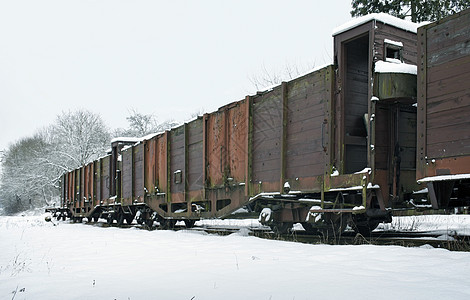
443,111
336,146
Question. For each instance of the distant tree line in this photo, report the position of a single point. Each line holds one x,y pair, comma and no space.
32,166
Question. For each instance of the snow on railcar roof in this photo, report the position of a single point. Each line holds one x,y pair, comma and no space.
126,139
394,67
381,17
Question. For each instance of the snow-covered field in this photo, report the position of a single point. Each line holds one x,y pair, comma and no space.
77,261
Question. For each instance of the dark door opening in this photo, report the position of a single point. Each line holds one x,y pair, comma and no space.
356,87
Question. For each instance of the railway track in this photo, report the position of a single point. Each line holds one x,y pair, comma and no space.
437,239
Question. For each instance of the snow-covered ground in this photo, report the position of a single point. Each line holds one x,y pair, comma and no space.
77,261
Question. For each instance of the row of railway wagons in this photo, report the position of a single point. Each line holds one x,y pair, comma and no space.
384,129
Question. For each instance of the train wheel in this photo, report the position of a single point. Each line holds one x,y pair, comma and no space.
120,219
365,228
167,223
149,223
281,227
309,228
110,219
129,218
189,223
334,225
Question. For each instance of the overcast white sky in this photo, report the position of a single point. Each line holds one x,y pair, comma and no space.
170,58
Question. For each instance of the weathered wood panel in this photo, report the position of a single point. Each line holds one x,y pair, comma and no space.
448,40
215,143
226,142
127,174
408,39
237,129
162,163
267,124
97,183
448,91
356,103
150,165
195,152
177,160
138,161
105,183
306,131
407,138
444,95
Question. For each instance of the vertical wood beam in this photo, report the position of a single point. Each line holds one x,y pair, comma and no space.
328,122
168,168
421,170
204,154
249,146
133,172
283,136
186,163
226,160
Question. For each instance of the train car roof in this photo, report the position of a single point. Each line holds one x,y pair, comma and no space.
381,17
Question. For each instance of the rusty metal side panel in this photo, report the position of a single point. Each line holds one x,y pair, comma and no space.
162,163
444,97
267,127
215,151
77,190
69,188
88,182
177,164
237,127
96,183
150,165
138,174
194,156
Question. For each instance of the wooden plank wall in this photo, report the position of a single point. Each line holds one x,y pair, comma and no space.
127,174
194,155
177,163
306,103
138,162
267,126
150,166
408,39
448,89
97,183
215,148
105,183
237,128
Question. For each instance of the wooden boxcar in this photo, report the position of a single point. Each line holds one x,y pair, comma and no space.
443,110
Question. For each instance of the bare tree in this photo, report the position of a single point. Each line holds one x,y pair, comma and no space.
268,78
143,124
78,138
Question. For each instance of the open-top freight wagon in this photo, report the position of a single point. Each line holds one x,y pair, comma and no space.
336,146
